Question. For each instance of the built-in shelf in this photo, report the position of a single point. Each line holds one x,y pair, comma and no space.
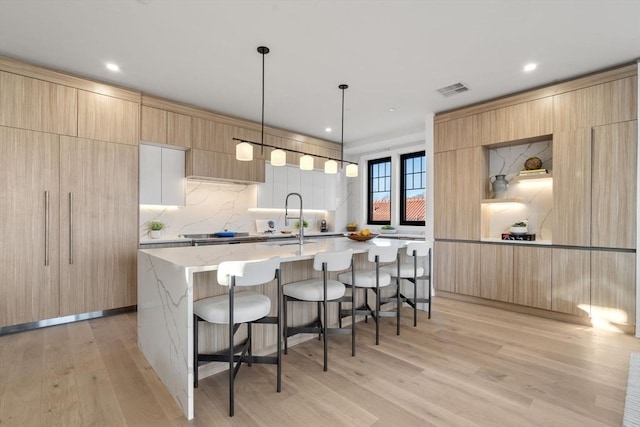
504,200
518,178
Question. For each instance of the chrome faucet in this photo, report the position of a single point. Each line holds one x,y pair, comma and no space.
299,217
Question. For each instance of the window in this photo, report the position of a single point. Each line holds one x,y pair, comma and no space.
412,188
379,191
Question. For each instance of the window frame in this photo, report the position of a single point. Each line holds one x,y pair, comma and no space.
403,213
370,164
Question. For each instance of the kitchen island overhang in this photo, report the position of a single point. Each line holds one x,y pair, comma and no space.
166,293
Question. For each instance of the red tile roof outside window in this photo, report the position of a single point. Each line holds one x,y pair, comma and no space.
415,209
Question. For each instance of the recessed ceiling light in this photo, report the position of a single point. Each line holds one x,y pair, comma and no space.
113,67
327,129
392,109
530,67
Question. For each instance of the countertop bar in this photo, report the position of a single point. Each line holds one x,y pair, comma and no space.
165,298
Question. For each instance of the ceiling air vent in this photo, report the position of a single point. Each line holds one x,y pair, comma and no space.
453,89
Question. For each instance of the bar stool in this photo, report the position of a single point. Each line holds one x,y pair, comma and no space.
246,307
321,290
374,280
413,272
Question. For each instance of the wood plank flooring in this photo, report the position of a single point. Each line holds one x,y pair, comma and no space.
469,365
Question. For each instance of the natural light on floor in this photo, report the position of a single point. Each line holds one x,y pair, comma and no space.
606,318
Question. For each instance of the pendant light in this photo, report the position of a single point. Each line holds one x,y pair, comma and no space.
278,157
244,150
306,163
351,171
331,167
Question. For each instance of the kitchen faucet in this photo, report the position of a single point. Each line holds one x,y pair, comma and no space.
299,217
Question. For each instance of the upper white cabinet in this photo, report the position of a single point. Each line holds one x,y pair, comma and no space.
162,177
318,189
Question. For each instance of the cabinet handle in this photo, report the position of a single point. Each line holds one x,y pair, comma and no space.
46,228
70,228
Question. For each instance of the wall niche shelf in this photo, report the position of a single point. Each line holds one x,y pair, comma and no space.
503,200
520,178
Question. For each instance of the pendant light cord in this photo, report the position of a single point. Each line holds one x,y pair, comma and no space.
263,50
342,87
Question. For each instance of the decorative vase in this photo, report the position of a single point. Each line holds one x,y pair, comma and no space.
499,185
155,234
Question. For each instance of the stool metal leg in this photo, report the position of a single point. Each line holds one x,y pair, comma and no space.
353,311
398,299
279,338
284,320
231,328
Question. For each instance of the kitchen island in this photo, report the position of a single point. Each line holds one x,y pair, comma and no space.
170,279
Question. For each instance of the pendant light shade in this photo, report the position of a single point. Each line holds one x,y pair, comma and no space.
306,163
244,152
278,158
331,166
352,171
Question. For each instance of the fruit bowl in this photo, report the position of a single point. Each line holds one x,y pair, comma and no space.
359,238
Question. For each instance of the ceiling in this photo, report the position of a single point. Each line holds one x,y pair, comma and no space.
392,54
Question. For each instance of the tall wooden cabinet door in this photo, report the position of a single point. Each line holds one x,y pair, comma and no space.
471,174
571,281
445,205
444,266
613,287
99,225
468,268
572,187
37,105
532,277
496,272
106,118
613,209
29,215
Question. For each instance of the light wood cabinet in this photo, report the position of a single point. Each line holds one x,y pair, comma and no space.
613,287
532,276
105,118
571,281
606,103
99,225
459,133
613,184
29,103
496,272
29,208
444,266
459,187
520,121
165,127
213,165
572,187
468,268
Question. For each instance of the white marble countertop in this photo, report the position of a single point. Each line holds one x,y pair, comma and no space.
206,258
177,239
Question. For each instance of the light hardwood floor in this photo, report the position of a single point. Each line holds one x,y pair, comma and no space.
468,365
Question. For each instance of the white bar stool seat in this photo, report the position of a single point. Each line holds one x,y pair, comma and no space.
247,307
313,290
